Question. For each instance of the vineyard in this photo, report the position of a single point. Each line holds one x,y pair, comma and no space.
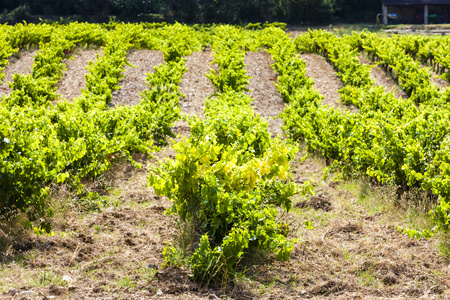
211,161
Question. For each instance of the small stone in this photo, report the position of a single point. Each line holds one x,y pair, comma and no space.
159,292
55,290
4,239
72,288
390,279
12,291
152,266
67,278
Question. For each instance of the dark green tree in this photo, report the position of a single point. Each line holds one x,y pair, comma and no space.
204,11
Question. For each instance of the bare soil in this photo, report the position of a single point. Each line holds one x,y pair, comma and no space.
439,82
134,81
18,64
195,85
349,246
294,33
73,80
267,100
325,79
382,78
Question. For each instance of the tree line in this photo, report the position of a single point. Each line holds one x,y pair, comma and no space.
196,11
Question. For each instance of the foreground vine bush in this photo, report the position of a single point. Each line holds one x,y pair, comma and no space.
229,177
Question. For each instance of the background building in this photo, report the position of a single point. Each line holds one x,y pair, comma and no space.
416,11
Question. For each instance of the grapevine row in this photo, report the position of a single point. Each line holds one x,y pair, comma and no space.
41,143
392,140
414,80
431,50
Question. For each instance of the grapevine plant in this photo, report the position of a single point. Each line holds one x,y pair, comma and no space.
229,177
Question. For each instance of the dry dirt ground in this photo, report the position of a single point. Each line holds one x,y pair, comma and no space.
267,100
73,80
382,78
439,82
349,246
143,61
195,87
19,64
325,79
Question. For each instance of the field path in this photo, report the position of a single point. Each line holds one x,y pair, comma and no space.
195,85
325,79
439,82
73,80
382,79
134,81
267,100
22,65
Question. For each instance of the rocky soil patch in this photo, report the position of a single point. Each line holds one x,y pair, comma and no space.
18,64
143,62
73,80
